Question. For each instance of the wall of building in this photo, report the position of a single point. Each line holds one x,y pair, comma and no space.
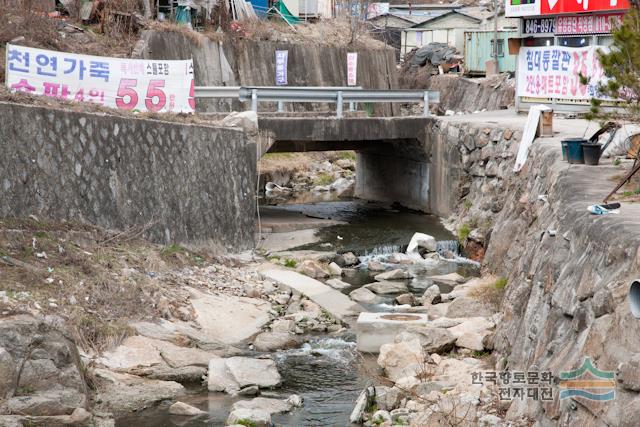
183,183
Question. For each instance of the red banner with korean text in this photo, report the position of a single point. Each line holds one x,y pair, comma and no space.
122,83
554,72
554,7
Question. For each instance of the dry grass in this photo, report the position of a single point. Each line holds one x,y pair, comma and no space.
95,279
490,292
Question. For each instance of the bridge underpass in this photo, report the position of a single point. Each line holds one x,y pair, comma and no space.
397,159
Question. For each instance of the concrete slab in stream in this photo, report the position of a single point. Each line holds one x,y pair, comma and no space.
338,304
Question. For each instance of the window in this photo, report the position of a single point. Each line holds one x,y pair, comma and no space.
418,38
579,41
604,41
500,48
537,41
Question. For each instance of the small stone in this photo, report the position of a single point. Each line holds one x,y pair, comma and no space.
364,295
338,284
380,417
375,266
181,408
431,295
334,269
252,390
80,416
405,299
295,401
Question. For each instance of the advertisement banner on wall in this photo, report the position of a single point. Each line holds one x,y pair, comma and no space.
352,68
588,24
539,26
554,7
519,8
125,84
282,57
554,72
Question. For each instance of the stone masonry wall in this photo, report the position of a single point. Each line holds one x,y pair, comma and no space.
192,183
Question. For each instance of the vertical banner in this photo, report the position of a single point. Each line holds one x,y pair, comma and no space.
126,84
419,38
281,67
352,68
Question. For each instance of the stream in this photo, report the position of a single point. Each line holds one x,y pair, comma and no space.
327,371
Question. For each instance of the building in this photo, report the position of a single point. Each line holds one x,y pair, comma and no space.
558,41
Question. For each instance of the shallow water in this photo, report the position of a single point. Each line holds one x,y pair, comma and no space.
329,373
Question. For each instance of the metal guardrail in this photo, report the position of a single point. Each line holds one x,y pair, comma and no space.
338,95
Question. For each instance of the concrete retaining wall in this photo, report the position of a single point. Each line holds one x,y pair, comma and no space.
192,183
253,64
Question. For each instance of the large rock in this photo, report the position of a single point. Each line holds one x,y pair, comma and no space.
451,279
472,340
397,274
121,393
247,120
338,284
257,417
404,359
215,313
471,325
232,374
431,295
432,340
181,408
364,295
387,287
50,382
313,269
467,306
270,341
421,241
629,373
374,265
334,269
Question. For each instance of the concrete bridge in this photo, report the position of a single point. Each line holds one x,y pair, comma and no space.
398,159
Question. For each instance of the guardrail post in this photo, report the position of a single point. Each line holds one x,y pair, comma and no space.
339,106
280,106
254,100
426,104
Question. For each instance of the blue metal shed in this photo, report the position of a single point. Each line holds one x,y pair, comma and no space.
478,49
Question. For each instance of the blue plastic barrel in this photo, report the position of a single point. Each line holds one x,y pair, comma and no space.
575,154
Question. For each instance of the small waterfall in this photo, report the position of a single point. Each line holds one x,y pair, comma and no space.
387,249
448,245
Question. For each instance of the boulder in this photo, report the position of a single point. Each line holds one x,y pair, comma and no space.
283,325
380,417
313,269
471,324
451,279
349,259
388,398
432,340
398,258
472,340
247,120
431,295
50,382
346,164
214,313
403,359
421,241
467,306
257,417
375,266
123,393
364,295
406,299
271,406
232,374
397,274
181,408
334,269
270,341
338,284
387,287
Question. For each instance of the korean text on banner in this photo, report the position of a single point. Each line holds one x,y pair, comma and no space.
281,67
125,84
352,68
554,72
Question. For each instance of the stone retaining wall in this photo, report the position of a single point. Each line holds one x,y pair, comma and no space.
188,183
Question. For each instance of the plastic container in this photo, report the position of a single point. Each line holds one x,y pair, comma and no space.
575,155
591,153
564,151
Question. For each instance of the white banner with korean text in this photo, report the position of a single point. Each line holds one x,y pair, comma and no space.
122,83
554,72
